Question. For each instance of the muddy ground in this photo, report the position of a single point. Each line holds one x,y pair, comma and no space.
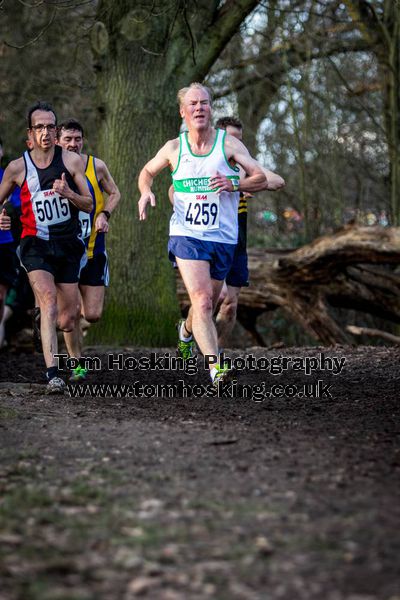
186,498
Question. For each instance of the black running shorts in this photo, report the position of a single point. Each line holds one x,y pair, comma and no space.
8,264
61,258
95,272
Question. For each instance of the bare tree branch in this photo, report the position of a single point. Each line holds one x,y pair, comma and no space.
385,335
45,28
350,90
226,22
276,68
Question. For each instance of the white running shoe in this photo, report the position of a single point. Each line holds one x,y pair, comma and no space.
55,386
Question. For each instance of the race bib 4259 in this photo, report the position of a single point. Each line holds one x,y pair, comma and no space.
202,212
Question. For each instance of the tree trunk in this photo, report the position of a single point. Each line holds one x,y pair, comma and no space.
144,55
382,30
138,114
393,109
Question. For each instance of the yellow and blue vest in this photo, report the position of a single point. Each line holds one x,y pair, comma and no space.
95,243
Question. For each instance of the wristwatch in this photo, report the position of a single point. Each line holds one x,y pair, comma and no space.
107,213
235,187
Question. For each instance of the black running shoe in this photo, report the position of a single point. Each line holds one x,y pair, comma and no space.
37,340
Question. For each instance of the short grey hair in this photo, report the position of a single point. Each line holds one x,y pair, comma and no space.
195,85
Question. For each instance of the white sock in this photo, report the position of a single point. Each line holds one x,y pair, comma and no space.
213,373
181,336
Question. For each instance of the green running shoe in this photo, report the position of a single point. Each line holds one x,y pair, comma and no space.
184,350
79,374
223,375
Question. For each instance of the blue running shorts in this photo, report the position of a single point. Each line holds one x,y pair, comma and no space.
219,255
238,275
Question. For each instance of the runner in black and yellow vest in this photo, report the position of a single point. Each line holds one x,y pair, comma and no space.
94,276
238,275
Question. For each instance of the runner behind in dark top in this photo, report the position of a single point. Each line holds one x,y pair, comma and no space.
94,277
238,275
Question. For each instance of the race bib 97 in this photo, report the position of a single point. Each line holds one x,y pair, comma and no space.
50,208
86,226
202,212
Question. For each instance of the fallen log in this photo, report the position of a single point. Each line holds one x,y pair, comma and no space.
353,268
389,337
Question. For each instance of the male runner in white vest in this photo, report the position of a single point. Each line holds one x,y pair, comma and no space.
204,225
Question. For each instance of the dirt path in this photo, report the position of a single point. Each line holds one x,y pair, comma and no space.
195,498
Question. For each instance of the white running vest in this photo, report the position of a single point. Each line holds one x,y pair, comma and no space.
198,211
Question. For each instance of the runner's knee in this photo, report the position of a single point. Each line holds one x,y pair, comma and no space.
202,302
223,295
66,321
93,315
228,309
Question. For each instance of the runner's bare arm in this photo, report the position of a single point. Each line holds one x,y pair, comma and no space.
83,200
13,175
274,181
255,180
114,195
171,194
163,158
